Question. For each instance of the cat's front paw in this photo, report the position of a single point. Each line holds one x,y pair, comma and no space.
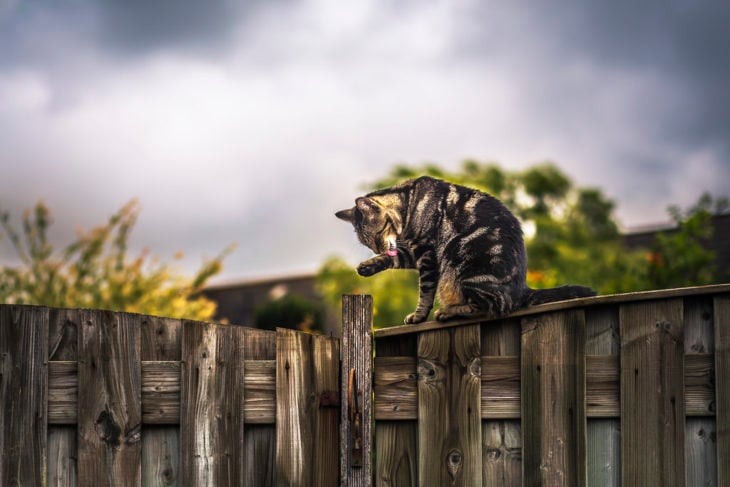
372,266
414,318
367,269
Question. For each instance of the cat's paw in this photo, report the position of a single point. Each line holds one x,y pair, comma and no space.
372,266
367,269
414,318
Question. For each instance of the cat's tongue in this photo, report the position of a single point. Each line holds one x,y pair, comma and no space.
392,248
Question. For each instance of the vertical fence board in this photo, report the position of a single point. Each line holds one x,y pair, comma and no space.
396,455
110,397
449,407
212,416
501,439
700,434
23,394
62,450
701,452
160,444
294,407
260,439
652,393
604,435
326,418
722,386
61,456
553,399
357,355
160,456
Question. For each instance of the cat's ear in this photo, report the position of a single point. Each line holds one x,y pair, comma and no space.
367,205
348,215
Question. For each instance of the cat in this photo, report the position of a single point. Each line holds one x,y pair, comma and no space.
466,245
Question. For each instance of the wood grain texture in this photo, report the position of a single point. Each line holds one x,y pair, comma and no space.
23,390
553,399
61,456
211,417
357,355
722,384
502,438
502,453
62,346
303,424
449,407
161,354
397,394
109,400
701,452
652,393
260,408
603,449
160,456
396,456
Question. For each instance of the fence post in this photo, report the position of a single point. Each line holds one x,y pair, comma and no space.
356,391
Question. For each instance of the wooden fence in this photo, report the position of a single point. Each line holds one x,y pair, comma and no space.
97,398
629,390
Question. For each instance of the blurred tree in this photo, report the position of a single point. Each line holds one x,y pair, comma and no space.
571,237
679,258
290,311
96,272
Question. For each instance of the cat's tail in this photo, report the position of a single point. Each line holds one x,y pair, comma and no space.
561,293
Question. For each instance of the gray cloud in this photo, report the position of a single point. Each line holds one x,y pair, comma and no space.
253,122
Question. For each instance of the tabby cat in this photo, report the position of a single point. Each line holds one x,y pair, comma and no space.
466,245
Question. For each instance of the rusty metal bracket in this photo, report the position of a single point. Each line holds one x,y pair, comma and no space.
355,419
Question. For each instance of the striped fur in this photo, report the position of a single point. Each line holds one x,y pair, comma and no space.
466,245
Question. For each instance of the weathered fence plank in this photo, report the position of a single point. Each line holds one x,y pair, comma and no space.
652,393
211,416
259,403
356,413
722,386
396,455
109,400
161,354
553,399
604,435
62,346
449,407
302,426
699,341
23,384
501,438
61,456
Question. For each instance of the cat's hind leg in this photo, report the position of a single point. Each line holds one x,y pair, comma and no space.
455,311
491,299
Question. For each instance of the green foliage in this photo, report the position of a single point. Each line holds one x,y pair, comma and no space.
290,311
95,271
679,258
571,237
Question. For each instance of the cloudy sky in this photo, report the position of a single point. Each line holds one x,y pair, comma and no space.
252,122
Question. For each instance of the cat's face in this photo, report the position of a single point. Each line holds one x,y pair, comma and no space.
376,226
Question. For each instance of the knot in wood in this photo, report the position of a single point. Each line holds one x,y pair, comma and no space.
428,371
454,461
108,430
475,367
